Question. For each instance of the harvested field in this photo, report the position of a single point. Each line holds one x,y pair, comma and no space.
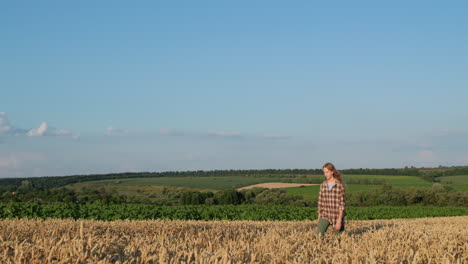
276,185
426,240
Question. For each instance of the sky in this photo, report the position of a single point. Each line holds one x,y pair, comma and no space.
118,86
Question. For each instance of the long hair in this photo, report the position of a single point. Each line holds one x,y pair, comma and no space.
331,167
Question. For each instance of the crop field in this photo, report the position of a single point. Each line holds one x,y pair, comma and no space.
205,183
459,183
149,186
98,211
311,192
276,185
426,240
153,189
401,181
461,179
139,190
234,182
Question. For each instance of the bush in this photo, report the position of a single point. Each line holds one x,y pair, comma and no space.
229,196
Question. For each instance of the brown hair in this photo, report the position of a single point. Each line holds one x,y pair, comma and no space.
331,167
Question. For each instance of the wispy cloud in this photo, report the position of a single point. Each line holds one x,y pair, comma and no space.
171,132
177,132
226,134
5,126
220,134
426,158
45,130
438,141
450,140
193,156
9,161
115,131
6,129
274,136
15,160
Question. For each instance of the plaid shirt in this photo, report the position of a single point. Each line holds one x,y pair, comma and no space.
330,203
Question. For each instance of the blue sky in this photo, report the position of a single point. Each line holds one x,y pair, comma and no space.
113,86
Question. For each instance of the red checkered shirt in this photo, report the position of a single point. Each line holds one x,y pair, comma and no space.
330,203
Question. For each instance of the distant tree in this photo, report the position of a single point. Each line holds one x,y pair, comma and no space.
229,196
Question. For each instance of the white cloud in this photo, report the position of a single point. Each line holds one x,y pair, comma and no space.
45,130
36,132
115,131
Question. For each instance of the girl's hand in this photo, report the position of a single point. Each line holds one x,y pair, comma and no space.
337,226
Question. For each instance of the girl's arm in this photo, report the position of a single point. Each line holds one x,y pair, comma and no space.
341,206
319,204
341,209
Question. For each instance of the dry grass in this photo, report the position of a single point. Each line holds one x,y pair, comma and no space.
275,185
427,240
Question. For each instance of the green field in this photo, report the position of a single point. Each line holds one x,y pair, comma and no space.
462,179
459,183
147,187
151,185
204,183
401,181
311,192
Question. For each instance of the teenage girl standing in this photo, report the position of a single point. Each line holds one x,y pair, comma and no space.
331,201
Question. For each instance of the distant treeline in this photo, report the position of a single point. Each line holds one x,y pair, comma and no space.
44,183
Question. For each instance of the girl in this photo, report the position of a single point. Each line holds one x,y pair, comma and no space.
331,201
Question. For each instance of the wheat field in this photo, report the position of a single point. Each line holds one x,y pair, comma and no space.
426,240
